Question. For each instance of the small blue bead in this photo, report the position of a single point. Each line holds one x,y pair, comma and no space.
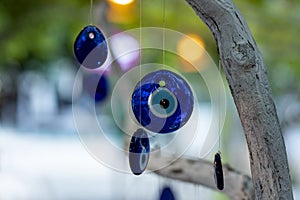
167,194
90,47
175,90
139,150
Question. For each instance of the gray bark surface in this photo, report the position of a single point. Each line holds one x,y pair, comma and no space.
247,78
201,172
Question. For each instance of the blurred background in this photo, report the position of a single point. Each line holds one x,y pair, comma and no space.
41,156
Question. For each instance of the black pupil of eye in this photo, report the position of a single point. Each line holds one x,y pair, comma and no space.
164,103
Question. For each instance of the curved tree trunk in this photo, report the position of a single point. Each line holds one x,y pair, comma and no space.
246,74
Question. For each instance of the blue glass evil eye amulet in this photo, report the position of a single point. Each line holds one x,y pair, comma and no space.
139,150
162,101
102,86
101,90
167,194
90,47
219,177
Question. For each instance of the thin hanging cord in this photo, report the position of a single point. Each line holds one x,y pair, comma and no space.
164,33
91,12
140,70
219,99
140,34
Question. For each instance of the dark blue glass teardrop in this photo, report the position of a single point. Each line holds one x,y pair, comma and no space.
90,47
91,81
139,151
167,194
219,178
101,90
162,101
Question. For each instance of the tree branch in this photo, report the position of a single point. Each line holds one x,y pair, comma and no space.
247,77
237,185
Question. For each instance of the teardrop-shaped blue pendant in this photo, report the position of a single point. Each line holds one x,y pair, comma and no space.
139,151
219,177
101,90
90,47
167,194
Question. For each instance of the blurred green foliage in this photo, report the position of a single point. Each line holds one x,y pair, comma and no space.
40,31
275,26
34,33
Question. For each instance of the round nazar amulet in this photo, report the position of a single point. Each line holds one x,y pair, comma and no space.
139,150
90,47
162,101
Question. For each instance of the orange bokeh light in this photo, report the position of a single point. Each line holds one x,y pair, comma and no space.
192,49
122,2
121,11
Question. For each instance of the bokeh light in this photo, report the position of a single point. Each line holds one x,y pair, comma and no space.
191,48
126,50
121,11
122,2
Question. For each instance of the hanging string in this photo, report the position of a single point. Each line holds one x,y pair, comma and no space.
164,33
140,34
91,13
140,70
219,99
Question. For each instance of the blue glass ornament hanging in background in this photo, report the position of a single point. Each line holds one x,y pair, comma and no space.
102,86
139,151
162,101
219,177
167,194
90,47
101,90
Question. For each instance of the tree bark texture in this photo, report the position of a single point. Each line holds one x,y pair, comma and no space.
247,78
237,185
